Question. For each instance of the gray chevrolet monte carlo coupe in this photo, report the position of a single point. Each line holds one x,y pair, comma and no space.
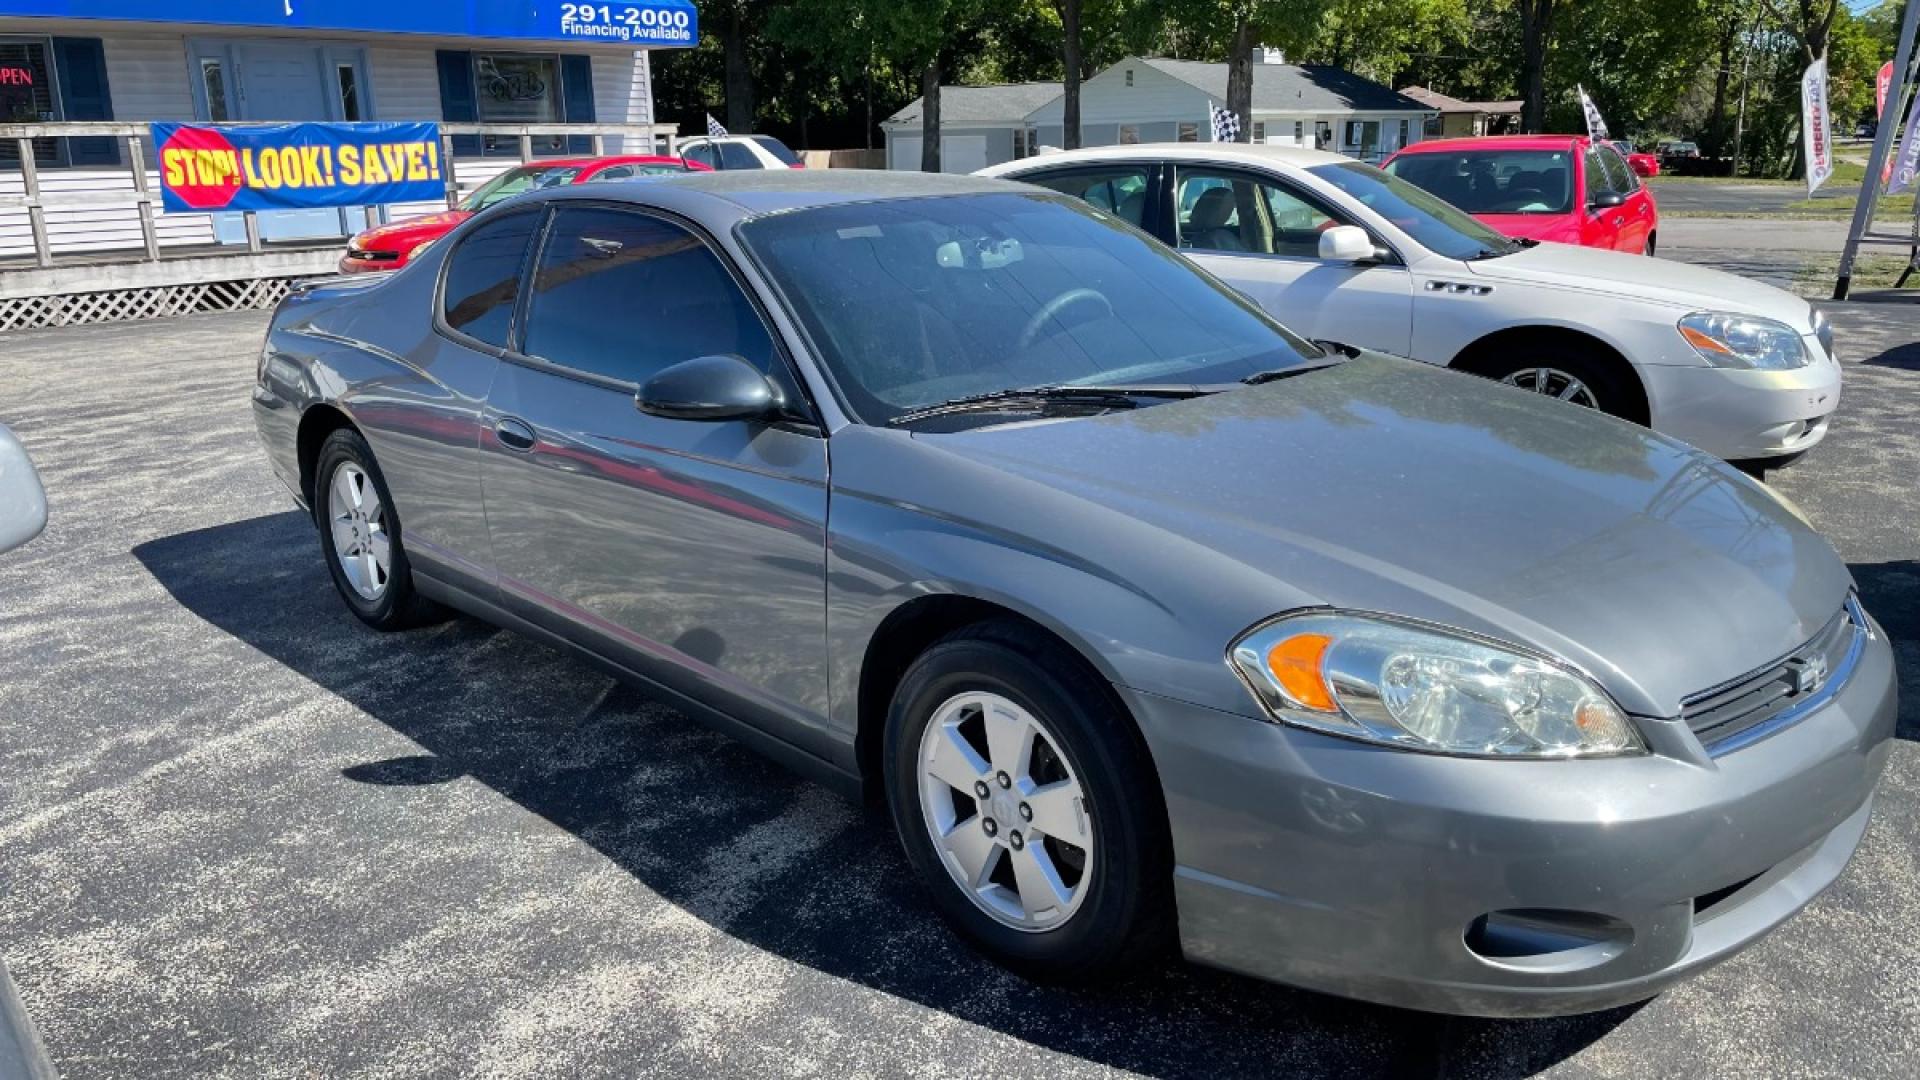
1151,621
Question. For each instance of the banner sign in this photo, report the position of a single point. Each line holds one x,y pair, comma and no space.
654,23
1596,127
1905,162
1814,127
297,166
1880,83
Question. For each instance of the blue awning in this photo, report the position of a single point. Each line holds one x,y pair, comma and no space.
640,23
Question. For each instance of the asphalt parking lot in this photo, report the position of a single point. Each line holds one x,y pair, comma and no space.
242,835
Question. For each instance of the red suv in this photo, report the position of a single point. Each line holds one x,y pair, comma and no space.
389,246
1565,188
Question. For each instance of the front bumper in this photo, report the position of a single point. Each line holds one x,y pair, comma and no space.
1744,415
1505,888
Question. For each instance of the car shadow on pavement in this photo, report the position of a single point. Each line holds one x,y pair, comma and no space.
612,766
1890,591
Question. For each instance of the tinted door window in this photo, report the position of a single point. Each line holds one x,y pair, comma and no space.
622,295
1223,211
483,277
1121,192
1619,176
777,148
613,172
737,156
1597,179
701,153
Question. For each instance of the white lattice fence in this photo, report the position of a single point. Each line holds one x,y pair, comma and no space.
153,302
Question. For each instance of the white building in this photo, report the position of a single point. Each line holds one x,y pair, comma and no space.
222,60
1148,99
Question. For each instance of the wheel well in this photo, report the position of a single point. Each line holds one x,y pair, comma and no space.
910,630
1480,357
318,422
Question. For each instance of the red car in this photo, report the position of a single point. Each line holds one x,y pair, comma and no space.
389,246
1564,188
1641,162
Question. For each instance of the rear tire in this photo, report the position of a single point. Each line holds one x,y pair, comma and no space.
355,514
1102,856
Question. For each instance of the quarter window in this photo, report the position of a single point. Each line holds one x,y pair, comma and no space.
1222,211
737,156
700,154
1121,192
1619,176
622,295
483,277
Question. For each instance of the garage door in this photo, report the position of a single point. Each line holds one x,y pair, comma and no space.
958,153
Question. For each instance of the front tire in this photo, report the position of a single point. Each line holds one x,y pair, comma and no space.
1027,804
361,538
1570,369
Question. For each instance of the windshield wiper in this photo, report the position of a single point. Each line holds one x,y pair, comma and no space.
1277,374
1093,397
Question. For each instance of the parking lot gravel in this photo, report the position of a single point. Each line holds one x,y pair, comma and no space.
243,836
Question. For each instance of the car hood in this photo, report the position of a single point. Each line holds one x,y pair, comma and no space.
1660,281
1560,227
407,233
1392,486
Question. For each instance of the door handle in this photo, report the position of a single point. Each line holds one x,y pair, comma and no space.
513,434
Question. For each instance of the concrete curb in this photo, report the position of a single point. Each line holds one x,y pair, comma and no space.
21,1052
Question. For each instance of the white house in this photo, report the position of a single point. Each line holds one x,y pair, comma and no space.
348,60
1150,99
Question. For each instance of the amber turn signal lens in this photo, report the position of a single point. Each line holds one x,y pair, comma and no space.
1295,664
1704,343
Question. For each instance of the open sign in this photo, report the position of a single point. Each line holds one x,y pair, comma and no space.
14,75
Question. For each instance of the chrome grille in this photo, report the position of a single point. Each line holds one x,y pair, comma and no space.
1755,705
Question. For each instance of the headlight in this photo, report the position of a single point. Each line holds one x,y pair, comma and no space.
357,244
1743,341
418,250
1424,689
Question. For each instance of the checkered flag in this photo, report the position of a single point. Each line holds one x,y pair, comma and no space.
1226,124
713,127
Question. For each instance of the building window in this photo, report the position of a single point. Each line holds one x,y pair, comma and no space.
26,96
1432,127
1405,130
1259,131
1363,138
1189,132
349,92
1299,132
1129,134
518,88
1129,76
213,78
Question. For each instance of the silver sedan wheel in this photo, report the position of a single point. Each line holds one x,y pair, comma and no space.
361,540
1554,383
1006,811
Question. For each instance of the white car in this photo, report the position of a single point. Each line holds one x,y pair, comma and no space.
1343,252
724,152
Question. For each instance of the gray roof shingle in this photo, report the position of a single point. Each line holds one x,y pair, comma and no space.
962,106
1287,87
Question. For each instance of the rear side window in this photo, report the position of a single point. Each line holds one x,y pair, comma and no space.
483,276
622,295
701,154
1120,191
736,156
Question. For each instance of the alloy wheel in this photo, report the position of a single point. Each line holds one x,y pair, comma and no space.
361,541
1006,811
1554,383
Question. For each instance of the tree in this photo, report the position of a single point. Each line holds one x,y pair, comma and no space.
1536,33
1290,24
1379,38
1069,12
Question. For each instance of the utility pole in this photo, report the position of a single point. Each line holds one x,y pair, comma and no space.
1890,115
1740,117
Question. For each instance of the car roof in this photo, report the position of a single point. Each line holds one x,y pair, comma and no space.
719,199
590,159
1495,142
1252,153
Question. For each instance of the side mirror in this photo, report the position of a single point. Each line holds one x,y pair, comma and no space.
1606,200
723,387
23,504
1346,243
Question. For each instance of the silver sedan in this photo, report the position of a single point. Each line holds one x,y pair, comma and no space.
1153,624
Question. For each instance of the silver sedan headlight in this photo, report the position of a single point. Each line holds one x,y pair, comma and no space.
1421,688
1823,332
1743,341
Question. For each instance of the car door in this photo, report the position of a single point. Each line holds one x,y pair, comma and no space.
1124,190
692,552
1637,209
1600,226
1261,234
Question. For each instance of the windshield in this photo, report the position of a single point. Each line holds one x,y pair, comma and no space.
1433,224
516,180
910,302
777,148
1494,181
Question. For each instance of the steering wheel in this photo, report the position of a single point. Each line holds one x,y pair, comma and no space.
1031,332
